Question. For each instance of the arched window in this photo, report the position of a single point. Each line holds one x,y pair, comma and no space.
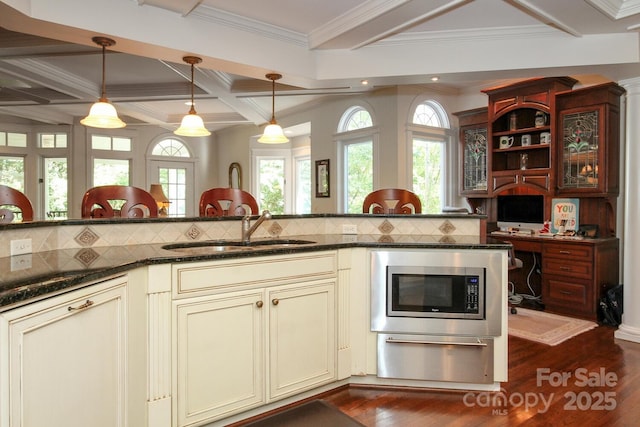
357,164
170,147
171,165
431,156
355,118
430,113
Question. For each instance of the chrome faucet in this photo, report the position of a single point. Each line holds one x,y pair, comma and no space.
248,229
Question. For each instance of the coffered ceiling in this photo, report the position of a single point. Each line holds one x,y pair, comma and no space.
50,71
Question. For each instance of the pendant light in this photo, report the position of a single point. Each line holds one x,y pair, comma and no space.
273,133
103,114
192,124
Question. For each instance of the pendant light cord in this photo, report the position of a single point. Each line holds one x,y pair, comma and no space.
192,110
103,96
273,101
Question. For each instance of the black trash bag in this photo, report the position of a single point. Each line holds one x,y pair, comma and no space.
610,307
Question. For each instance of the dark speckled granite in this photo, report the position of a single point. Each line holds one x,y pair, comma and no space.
26,278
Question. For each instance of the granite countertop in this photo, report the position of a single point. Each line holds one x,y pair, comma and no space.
26,278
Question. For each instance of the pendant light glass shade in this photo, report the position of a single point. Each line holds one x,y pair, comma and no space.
273,133
103,114
192,124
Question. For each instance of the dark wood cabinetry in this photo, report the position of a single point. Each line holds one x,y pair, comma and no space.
474,151
575,273
544,137
521,134
588,141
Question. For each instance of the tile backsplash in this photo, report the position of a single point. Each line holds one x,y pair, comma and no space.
121,234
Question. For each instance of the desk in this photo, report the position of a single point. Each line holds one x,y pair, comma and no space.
575,273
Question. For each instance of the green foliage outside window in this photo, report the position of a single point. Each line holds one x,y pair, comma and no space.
359,174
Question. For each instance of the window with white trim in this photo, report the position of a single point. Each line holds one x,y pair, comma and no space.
431,160
356,141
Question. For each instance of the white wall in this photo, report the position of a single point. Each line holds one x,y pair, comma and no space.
391,108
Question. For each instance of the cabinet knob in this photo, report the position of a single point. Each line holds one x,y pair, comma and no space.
87,304
275,301
259,304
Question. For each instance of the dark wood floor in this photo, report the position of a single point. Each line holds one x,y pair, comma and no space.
595,360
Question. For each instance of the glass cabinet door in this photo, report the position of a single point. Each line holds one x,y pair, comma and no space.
474,160
580,149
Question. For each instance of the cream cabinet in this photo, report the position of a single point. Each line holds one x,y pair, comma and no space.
219,352
301,350
269,335
63,360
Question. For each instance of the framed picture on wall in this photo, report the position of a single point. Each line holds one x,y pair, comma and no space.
322,178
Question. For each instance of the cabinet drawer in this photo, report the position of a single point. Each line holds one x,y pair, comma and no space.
575,292
501,181
581,252
247,273
563,267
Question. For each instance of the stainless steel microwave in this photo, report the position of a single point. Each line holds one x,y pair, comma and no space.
435,292
438,292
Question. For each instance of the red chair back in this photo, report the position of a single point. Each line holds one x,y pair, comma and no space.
109,201
392,201
227,202
12,198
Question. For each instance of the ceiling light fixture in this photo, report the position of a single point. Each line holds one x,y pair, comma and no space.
102,114
192,124
273,133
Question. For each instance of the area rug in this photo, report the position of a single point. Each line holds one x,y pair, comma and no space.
546,328
316,413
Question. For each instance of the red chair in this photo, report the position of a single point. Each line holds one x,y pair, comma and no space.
109,201
12,200
227,202
392,201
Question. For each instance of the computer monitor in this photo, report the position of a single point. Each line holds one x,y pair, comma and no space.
520,211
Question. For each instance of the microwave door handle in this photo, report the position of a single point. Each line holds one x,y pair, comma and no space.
392,340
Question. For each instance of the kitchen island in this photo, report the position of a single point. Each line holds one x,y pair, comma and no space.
197,337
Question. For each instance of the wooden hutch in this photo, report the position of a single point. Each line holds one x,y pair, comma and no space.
571,150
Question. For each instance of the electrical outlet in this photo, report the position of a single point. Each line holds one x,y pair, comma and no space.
21,262
21,247
349,229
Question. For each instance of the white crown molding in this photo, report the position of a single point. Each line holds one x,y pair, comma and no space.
547,18
471,35
357,16
57,79
45,115
617,9
237,22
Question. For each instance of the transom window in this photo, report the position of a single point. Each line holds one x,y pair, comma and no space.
355,118
52,140
13,139
431,113
171,148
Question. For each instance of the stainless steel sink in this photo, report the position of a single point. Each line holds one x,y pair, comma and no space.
213,246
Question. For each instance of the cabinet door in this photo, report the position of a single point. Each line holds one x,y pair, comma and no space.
589,137
581,150
474,160
218,356
67,361
302,338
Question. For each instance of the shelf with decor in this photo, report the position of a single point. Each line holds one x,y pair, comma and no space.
521,124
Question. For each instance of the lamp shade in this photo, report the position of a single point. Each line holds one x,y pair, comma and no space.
273,134
103,115
158,194
192,125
